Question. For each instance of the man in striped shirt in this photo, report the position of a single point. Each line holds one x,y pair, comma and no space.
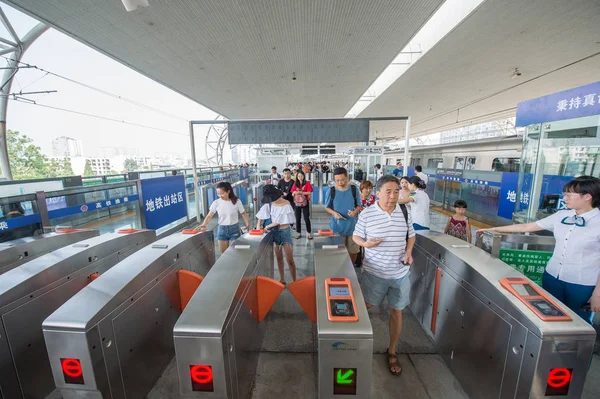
385,231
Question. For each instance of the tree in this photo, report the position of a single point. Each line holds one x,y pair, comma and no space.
67,167
87,170
130,165
59,168
112,172
26,159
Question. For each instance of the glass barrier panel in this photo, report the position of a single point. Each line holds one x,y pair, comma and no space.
106,210
19,218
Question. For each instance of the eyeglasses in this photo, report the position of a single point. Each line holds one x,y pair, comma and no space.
570,195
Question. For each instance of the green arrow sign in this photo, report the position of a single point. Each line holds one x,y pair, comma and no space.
346,378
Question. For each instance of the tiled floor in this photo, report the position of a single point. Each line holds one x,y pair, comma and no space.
287,364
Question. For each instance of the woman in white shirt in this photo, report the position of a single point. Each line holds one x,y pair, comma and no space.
277,215
228,206
573,273
419,203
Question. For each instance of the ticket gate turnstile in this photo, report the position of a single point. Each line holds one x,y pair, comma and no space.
115,337
217,347
217,350
32,291
345,334
16,252
500,338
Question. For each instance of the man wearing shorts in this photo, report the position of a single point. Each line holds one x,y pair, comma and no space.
343,203
385,231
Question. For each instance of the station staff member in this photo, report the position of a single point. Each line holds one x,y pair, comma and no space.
573,273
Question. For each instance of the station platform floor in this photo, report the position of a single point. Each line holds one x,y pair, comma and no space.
287,363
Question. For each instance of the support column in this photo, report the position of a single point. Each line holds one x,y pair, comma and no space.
7,78
195,172
406,141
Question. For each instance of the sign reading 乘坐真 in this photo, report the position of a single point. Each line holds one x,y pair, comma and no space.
574,103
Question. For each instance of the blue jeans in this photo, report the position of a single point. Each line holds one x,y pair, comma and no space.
575,296
228,233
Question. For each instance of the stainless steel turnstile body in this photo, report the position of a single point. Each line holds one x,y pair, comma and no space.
494,344
32,291
343,346
16,252
218,328
117,333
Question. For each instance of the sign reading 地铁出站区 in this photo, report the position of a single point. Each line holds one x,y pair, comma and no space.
573,103
164,200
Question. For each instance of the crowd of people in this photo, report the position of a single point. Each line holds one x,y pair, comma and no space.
377,223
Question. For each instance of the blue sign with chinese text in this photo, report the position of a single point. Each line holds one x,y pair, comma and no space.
92,206
568,104
508,194
164,200
15,223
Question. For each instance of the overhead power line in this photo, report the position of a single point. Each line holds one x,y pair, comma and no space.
29,102
107,93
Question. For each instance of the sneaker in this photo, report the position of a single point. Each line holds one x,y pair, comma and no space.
310,236
298,235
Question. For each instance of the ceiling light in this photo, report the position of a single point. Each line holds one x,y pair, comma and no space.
132,5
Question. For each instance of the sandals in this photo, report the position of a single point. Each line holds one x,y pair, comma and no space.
392,359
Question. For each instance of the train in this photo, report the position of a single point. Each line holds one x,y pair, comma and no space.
500,154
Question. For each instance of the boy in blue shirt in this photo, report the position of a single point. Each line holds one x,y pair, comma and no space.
343,204
398,171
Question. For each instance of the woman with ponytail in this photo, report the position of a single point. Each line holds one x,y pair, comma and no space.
228,206
419,203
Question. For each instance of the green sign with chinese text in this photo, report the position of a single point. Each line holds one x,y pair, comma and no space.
531,263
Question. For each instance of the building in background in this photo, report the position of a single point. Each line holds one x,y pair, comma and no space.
64,146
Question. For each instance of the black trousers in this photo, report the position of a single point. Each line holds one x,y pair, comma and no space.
304,210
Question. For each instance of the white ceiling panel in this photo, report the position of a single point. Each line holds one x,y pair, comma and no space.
238,57
466,78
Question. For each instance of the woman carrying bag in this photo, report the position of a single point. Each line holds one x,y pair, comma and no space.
301,191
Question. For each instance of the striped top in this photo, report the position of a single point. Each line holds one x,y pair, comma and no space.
385,260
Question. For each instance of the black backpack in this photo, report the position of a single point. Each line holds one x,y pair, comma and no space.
358,175
332,191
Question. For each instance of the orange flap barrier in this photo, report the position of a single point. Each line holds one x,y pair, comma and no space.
94,276
188,284
325,232
255,232
304,290
268,292
67,230
128,231
192,231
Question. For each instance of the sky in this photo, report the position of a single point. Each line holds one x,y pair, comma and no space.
62,55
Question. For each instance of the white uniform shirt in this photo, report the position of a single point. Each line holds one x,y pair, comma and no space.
423,177
386,259
228,213
419,208
576,257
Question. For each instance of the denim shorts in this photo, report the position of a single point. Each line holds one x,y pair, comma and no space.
397,291
228,233
282,236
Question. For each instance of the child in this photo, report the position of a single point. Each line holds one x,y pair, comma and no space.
458,225
367,197
228,206
277,214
